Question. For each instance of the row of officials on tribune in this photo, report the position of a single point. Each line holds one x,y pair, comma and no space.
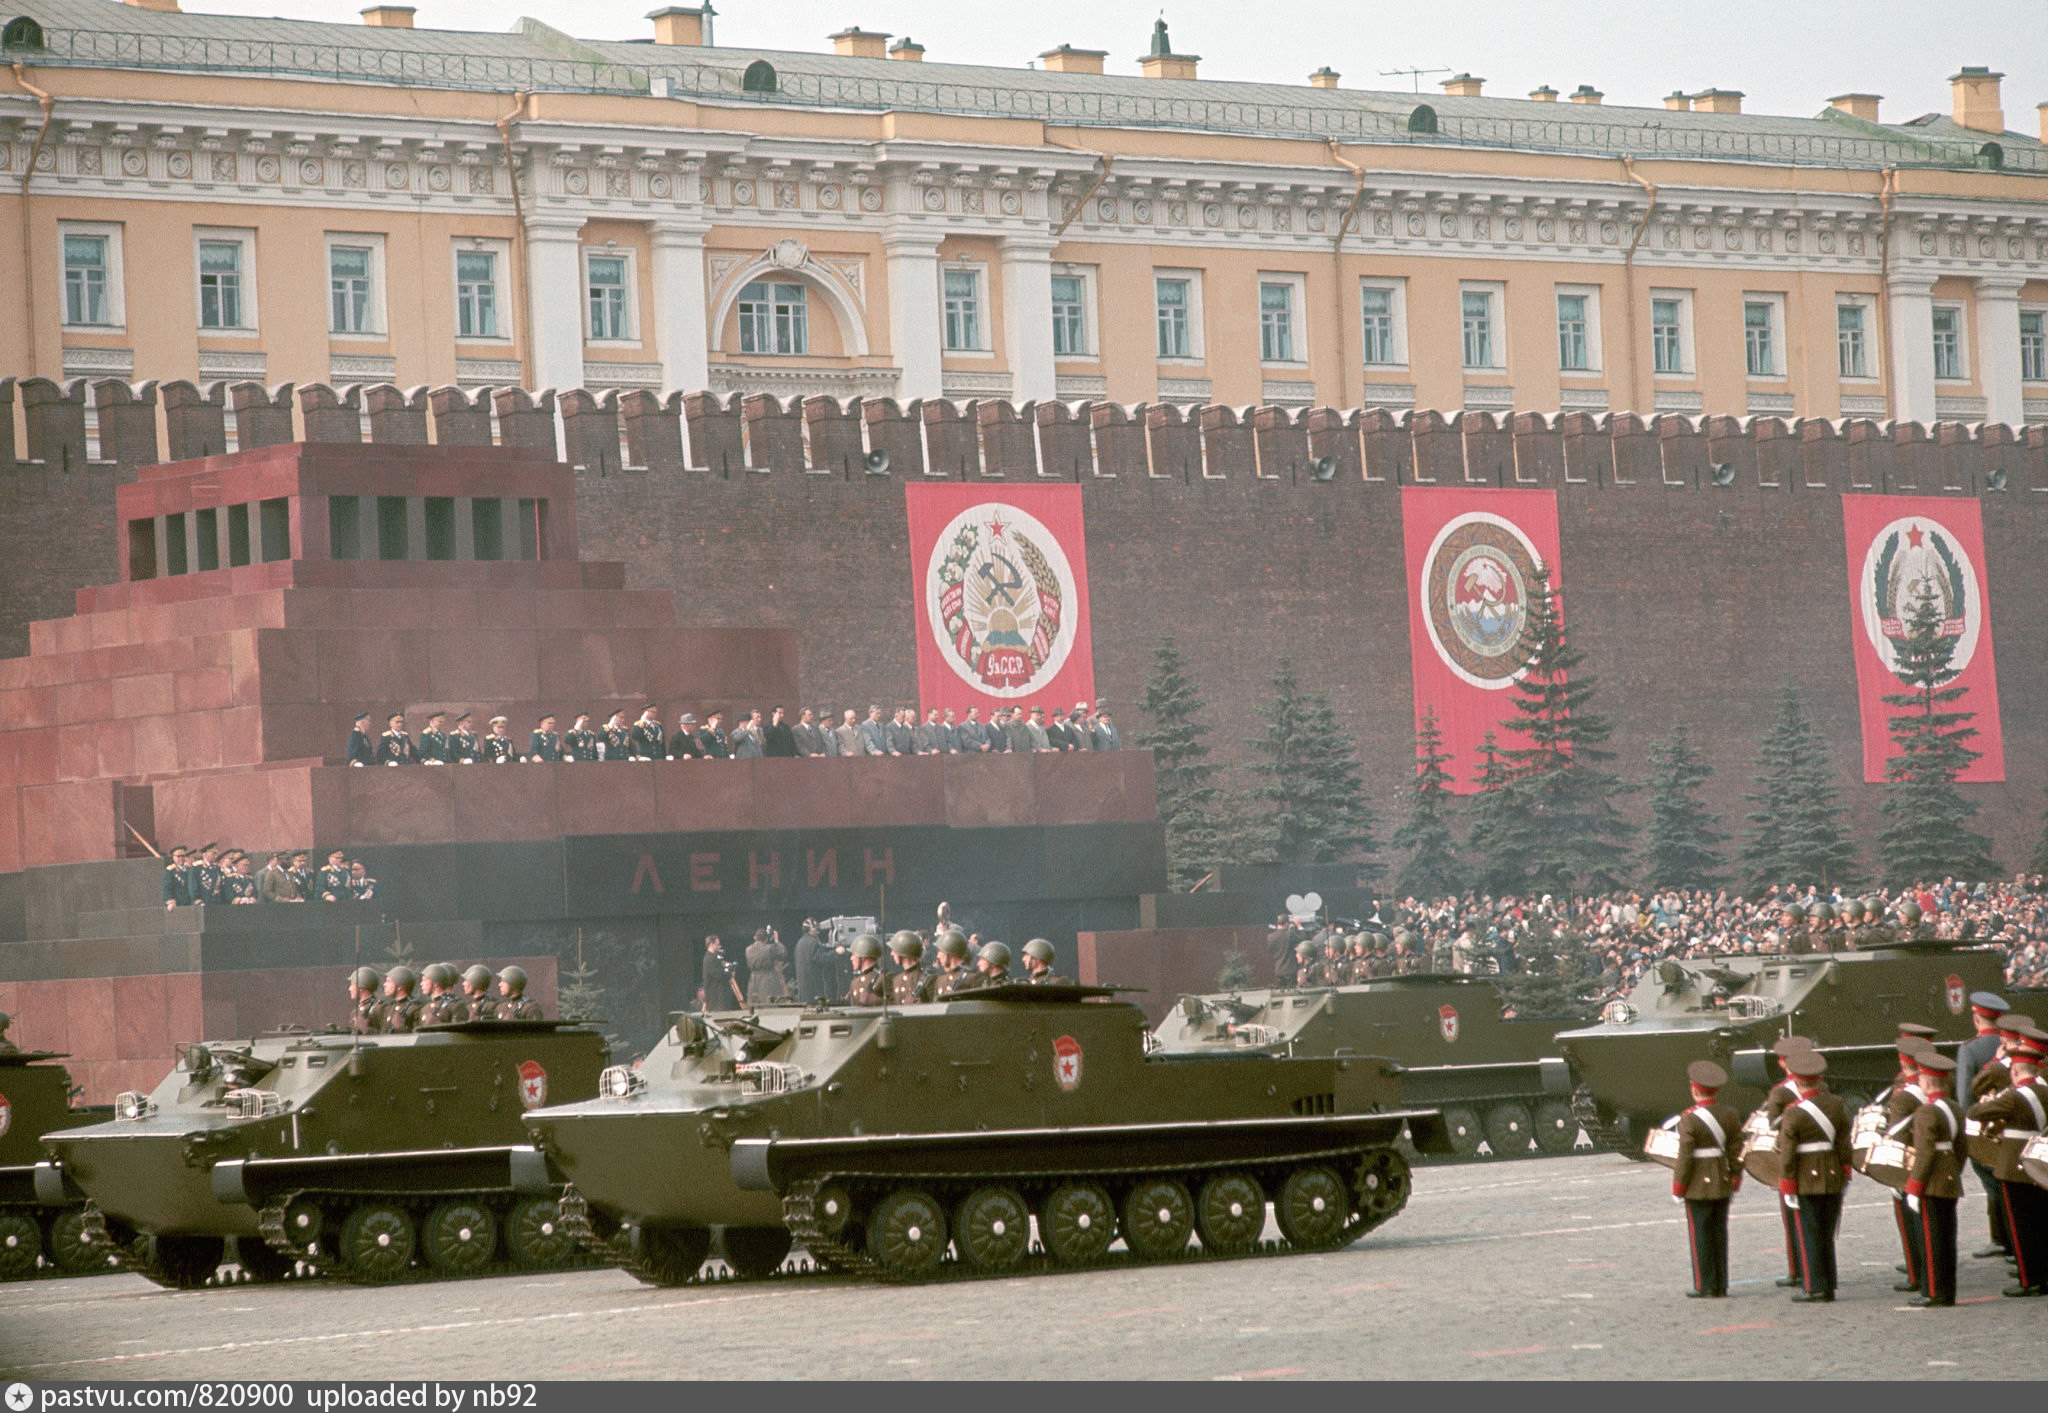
1984,1107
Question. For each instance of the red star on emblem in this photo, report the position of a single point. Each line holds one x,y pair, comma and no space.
996,528
1914,536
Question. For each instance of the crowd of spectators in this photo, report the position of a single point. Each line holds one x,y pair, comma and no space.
211,876
752,734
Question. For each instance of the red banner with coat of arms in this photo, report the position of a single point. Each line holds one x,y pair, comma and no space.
999,580
1472,559
1899,548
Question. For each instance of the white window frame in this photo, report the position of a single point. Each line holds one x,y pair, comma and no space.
501,251
1775,302
379,327
1397,312
117,304
1496,334
246,273
1961,311
1687,368
1090,349
774,321
982,347
1595,365
1195,354
2040,312
1297,317
631,337
1868,305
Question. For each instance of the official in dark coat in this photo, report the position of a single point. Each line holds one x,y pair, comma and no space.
778,738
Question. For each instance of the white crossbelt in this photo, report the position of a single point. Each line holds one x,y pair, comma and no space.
1815,1148
1706,1152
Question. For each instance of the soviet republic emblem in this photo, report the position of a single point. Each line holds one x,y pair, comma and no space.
1476,584
1000,597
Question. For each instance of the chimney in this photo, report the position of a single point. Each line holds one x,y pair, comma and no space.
1717,100
908,50
1325,77
389,16
1463,86
168,7
1678,101
1162,62
679,24
1857,105
1545,94
854,42
1068,60
1586,93
1976,99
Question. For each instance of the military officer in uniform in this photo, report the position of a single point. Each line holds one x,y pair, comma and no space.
1813,1155
953,972
618,738
476,993
767,970
869,987
911,984
177,888
544,743
433,748
498,748
580,743
462,742
512,1002
721,978
361,752
2020,1111
397,1011
1980,1073
1706,1175
395,747
647,740
333,880
1934,1180
1038,959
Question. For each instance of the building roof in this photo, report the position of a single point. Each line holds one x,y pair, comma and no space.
537,58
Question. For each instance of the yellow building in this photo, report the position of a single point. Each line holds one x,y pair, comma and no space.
213,197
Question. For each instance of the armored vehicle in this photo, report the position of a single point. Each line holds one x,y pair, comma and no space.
371,1157
35,1098
1629,1066
879,1139
1499,1080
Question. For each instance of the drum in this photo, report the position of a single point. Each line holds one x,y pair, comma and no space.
1661,1146
1888,1162
1982,1146
2034,1159
1760,1148
1866,1128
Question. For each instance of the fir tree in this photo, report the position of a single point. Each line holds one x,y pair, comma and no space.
1236,974
1499,837
578,994
1578,840
1432,869
1183,776
1554,972
2039,862
1796,834
1309,806
1682,849
1927,834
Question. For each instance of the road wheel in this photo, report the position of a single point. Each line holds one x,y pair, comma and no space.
65,1244
907,1233
21,1242
666,1255
1077,1223
1230,1213
1312,1207
1159,1217
754,1252
1384,1186
992,1229
460,1237
1461,1126
377,1242
303,1223
184,1262
261,1264
1556,1130
1508,1129
533,1234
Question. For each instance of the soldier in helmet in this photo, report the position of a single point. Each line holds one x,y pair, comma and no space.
1793,938
476,993
1038,960
1876,932
911,984
1821,927
443,1004
363,984
512,1002
1910,918
7,1047
1311,966
993,964
397,1011
869,986
953,972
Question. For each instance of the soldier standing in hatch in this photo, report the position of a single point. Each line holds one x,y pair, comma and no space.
720,978
1813,1156
1793,938
512,1002
868,987
1935,1180
953,973
1038,960
7,1047
362,996
1706,1175
396,1012
910,985
476,993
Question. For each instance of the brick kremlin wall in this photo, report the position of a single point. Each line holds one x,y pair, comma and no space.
1692,601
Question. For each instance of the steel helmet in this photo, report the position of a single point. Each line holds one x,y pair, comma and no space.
403,978
1305,950
1040,950
952,943
366,979
479,976
1822,912
1873,907
1404,937
1851,910
513,977
443,975
1909,913
867,945
1793,911
995,954
907,945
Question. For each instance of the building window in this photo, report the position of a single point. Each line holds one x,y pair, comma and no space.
220,285
1377,306
1667,336
85,280
476,294
963,310
1174,298
348,275
1759,338
1276,323
1069,316
1850,354
2033,345
1573,355
609,308
1948,341
774,318
1477,311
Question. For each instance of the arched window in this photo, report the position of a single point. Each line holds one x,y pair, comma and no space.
759,77
21,33
1423,119
1991,157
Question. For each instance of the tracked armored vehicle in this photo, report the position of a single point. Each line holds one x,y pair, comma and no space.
1730,1009
1500,1081
375,1158
38,1238
928,1140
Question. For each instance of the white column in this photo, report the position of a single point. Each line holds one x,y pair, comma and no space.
679,307
1027,317
1909,297
1998,348
915,331
554,284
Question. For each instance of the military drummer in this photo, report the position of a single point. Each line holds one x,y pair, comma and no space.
1706,1175
1813,1156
